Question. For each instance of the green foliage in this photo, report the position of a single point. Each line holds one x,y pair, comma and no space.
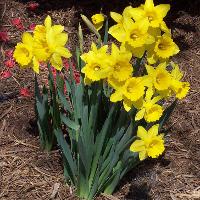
98,155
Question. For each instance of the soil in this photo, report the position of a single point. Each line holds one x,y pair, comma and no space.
27,172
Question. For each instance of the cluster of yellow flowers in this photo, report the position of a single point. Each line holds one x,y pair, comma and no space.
140,31
46,45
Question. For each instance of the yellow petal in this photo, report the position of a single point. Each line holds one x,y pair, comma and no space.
35,65
116,16
141,133
27,39
47,22
163,9
142,155
116,96
140,115
118,32
56,61
153,131
127,104
149,5
64,52
137,146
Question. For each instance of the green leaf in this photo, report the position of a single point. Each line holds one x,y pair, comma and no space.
105,40
91,26
64,102
71,124
100,142
71,165
80,37
166,114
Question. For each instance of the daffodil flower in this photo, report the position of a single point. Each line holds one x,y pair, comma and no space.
149,143
98,63
23,53
98,20
149,110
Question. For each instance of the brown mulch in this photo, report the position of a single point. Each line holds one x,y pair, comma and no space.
27,172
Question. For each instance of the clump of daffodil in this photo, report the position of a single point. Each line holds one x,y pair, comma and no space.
98,20
163,49
167,83
149,110
24,55
149,143
98,63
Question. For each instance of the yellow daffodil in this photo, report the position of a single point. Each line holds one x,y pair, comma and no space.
130,92
179,88
98,20
137,33
159,76
164,48
23,53
134,88
121,68
149,110
155,14
98,63
50,43
118,30
149,144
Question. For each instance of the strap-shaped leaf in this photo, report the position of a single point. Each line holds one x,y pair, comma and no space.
65,102
100,142
105,39
72,168
71,124
166,114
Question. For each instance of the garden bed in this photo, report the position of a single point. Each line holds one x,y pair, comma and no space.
27,172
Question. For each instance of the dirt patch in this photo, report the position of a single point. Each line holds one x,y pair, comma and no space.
26,172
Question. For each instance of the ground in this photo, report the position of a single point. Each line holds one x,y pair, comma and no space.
27,172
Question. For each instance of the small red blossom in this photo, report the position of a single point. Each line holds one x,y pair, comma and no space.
25,92
9,63
17,23
9,53
4,36
53,70
6,74
32,6
32,27
77,77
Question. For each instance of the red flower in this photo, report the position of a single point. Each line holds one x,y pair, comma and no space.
32,27
77,76
25,92
9,53
18,23
9,63
53,70
6,74
32,6
4,36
